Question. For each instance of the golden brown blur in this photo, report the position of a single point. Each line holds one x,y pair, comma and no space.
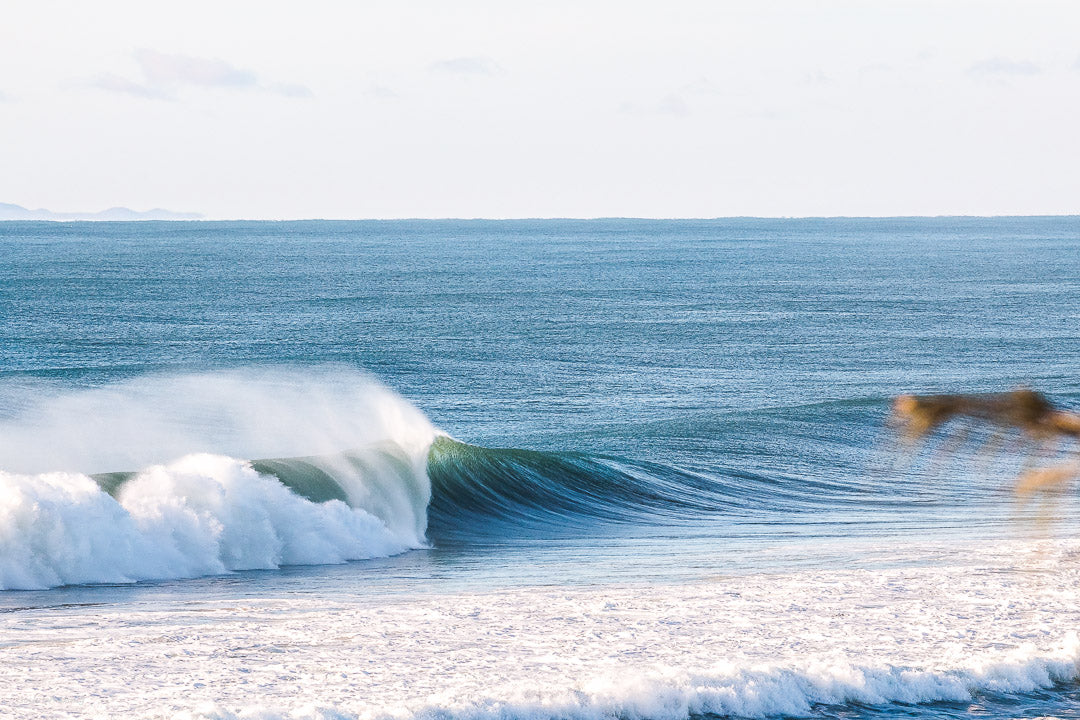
1038,430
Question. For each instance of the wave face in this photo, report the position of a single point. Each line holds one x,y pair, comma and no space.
491,492
504,494
209,512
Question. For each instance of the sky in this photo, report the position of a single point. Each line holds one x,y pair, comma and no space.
499,109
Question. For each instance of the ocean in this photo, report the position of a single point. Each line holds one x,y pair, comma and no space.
536,469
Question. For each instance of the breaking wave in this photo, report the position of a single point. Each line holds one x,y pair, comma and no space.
195,508
201,515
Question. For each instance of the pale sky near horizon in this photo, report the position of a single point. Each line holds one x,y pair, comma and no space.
553,109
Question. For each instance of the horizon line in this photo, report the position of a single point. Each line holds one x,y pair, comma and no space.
943,216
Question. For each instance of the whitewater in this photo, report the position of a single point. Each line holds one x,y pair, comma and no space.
753,646
544,470
203,513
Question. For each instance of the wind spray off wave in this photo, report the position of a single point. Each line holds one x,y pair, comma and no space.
194,508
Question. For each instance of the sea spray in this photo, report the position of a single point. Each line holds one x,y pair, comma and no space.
244,413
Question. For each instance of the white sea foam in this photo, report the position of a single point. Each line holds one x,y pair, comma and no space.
996,620
202,515
206,513
726,690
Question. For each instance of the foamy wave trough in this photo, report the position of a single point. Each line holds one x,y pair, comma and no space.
1000,620
757,692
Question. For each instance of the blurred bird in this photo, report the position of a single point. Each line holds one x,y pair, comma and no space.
1037,427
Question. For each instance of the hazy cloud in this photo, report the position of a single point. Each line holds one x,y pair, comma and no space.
685,99
702,86
115,83
998,67
381,92
172,71
163,75
476,65
290,90
671,104
876,68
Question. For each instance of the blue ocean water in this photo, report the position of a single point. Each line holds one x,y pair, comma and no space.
612,404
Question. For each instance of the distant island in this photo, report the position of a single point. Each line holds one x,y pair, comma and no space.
18,212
